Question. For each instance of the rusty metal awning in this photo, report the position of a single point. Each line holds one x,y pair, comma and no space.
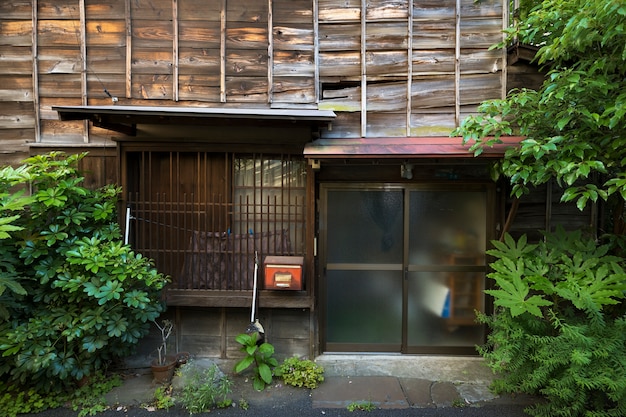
402,147
124,119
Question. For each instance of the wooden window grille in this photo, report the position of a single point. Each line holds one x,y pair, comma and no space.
202,216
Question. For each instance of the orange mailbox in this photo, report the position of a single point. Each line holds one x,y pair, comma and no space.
283,272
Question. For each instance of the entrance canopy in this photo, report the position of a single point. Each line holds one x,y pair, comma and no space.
124,119
402,147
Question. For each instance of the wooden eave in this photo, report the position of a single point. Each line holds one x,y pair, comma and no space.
124,119
403,147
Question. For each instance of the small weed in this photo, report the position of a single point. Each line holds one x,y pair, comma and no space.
361,406
163,398
203,388
243,404
459,403
300,372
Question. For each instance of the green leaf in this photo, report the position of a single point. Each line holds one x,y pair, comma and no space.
243,364
265,373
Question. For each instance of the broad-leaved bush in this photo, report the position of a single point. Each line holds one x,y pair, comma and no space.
559,328
73,296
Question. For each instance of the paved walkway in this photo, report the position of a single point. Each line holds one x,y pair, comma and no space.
395,382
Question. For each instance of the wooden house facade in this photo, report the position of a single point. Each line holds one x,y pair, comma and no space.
316,130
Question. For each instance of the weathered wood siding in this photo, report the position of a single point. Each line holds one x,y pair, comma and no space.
387,67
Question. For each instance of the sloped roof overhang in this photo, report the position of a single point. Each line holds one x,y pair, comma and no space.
403,147
124,119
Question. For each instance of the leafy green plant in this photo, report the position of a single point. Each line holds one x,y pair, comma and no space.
361,406
559,329
203,389
300,372
89,399
78,297
163,399
260,357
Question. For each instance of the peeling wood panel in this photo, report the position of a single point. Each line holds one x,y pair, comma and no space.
108,33
480,33
156,86
16,88
104,60
199,34
293,38
240,36
480,61
386,64
294,63
246,63
293,12
205,10
439,122
434,35
433,92
156,34
70,132
294,89
97,83
98,9
346,37
151,9
59,85
16,9
151,61
59,61
332,10
247,11
386,36
387,9
58,33
476,88
243,89
346,125
433,10
433,62
16,60
16,115
340,64
58,9
16,32
199,87
45,106
194,61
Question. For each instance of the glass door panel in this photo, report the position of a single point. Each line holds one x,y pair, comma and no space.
364,240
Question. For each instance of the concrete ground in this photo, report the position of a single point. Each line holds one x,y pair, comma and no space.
384,381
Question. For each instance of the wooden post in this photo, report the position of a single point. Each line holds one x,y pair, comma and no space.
223,52
409,70
129,49
363,68
175,49
316,49
83,69
457,64
35,77
270,52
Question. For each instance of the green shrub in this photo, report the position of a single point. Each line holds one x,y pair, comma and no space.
203,389
559,328
300,372
77,298
260,357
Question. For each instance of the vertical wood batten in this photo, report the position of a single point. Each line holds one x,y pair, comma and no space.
223,52
129,51
175,49
504,71
83,68
270,51
409,70
35,76
457,63
363,68
316,49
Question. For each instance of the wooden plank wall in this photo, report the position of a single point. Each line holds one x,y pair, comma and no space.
387,67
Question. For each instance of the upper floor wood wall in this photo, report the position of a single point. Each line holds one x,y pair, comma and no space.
387,67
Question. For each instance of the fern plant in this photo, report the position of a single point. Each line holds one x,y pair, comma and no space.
559,328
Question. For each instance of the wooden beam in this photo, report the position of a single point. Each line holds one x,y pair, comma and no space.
457,64
129,49
363,68
409,69
175,49
83,69
208,298
35,66
316,49
270,52
223,52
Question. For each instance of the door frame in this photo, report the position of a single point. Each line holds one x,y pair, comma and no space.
488,187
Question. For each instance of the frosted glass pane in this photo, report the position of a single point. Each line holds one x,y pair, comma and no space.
364,307
365,226
444,223
441,308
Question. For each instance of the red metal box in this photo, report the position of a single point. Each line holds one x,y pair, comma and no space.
283,272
